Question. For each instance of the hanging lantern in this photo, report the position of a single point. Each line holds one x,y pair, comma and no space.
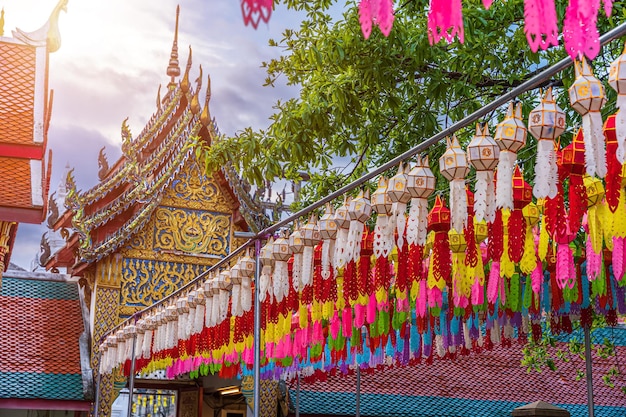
595,194
310,237
546,122
572,161
359,211
420,185
516,225
280,277
342,219
399,196
481,231
235,278
328,232
617,80
510,137
453,166
440,268
587,97
483,153
296,247
383,230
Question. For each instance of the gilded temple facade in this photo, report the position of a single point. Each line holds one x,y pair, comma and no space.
156,219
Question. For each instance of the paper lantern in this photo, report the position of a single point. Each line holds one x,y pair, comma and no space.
481,231
587,98
572,161
440,269
531,214
483,153
546,122
456,241
311,237
594,190
247,265
296,247
572,157
342,219
439,217
420,185
399,196
359,211
384,228
280,278
328,233
617,80
420,179
267,262
522,191
235,274
454,167
510,137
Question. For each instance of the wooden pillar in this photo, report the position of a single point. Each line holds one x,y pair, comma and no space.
540,409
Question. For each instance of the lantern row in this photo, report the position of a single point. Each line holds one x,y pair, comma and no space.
421,284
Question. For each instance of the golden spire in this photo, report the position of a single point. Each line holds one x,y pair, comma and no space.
173,70
184,84
205,116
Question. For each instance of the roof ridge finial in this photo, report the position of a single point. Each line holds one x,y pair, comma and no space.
2,22
173,70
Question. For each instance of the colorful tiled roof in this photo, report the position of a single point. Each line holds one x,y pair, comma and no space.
23,131
40,325
489,384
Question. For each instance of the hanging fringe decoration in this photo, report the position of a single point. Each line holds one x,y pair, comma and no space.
613,179
580,31
280,278
376,12
445,20
587,98
328,232
540,24
343,224
420,184
311,237
384,228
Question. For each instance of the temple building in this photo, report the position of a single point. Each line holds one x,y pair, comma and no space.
25,112
155,220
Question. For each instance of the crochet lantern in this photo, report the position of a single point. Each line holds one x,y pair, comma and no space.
587,97
399,196
384,228
617,80
483,153
510,137
546,122
420,185
454,167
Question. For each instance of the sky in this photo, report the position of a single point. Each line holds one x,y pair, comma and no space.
114,55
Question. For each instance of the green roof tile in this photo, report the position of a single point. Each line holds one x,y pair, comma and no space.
54,290
41,386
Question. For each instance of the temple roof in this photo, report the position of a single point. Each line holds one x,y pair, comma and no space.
107,215
488,384
24,118
41,358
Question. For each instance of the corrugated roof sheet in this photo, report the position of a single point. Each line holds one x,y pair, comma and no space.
40,326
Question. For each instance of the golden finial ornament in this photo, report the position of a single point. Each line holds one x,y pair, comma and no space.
47,35
173,70
2,22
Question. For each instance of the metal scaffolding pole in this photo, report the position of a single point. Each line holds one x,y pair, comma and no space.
590,406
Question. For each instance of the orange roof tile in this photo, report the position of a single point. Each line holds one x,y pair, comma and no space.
17,93
15,187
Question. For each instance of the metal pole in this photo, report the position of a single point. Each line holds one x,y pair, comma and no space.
257,330
298,396
588,368
358,392
96,408
131,381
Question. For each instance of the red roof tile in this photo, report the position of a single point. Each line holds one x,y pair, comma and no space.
15,187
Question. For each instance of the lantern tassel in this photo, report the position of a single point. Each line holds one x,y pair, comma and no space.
595,157
545,170
458,204
504,184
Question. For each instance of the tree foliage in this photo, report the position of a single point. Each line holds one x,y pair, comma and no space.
363,102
